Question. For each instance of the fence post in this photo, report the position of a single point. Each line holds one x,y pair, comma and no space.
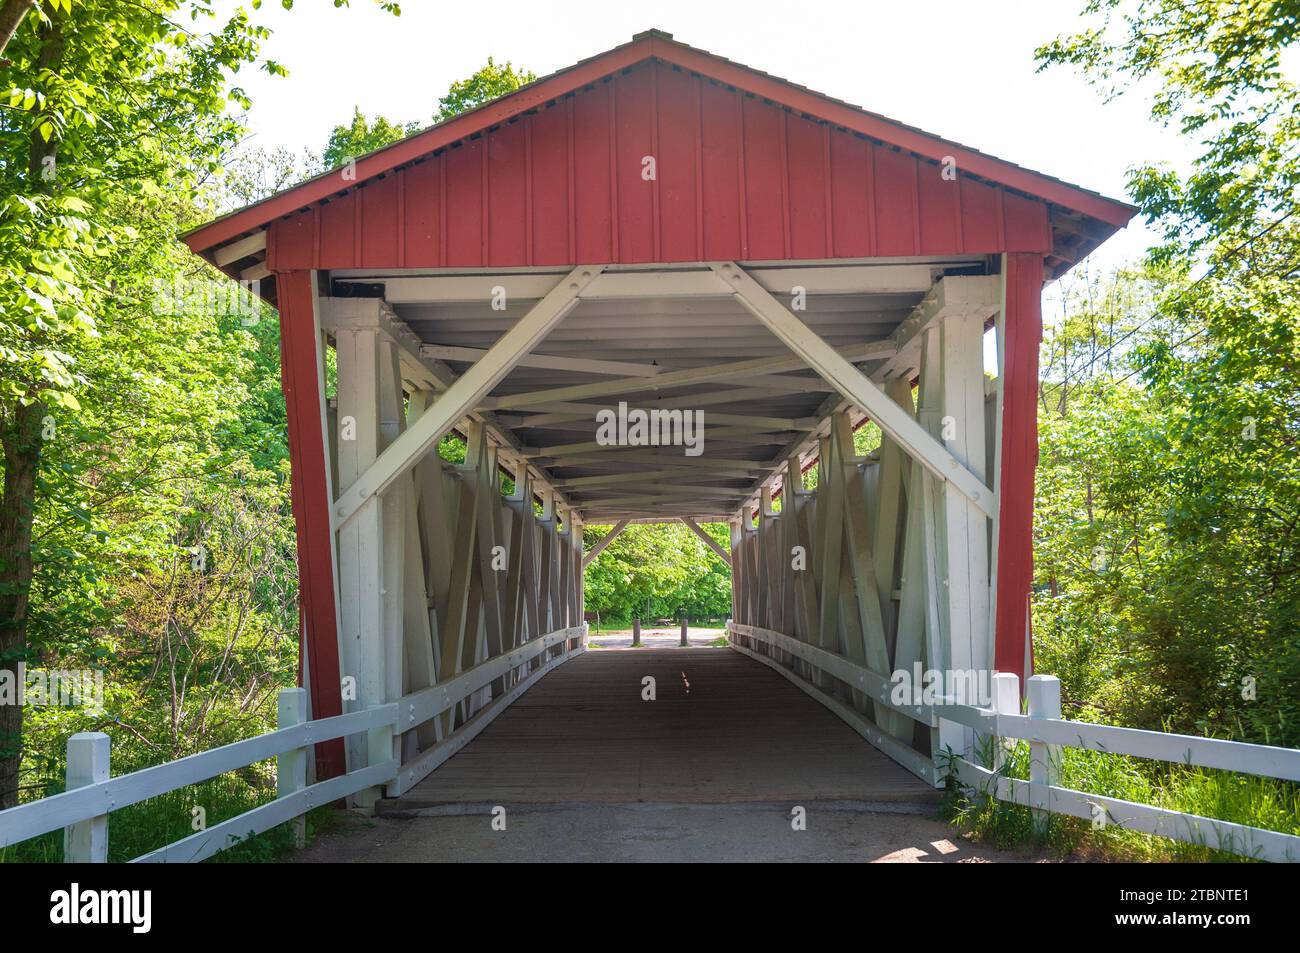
1006,701
86,842
684,641
636,633
379,748
291,766
1044,759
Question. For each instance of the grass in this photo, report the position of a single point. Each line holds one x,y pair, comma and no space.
1258,802
140,828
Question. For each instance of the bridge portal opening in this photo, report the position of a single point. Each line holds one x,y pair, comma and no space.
659,285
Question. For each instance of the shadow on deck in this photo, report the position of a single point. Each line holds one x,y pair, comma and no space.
722,729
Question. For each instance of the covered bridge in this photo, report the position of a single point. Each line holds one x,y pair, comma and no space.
659,228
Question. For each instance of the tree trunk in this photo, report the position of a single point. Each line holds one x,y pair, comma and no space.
20,436
11,15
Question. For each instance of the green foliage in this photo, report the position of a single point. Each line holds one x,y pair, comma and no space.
360,137
1169,500
159,425
658,571
1240,799
489,83
1217,69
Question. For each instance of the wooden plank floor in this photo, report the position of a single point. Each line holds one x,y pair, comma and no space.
722,729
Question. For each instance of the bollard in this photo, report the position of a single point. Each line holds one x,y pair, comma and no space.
636,633
684,642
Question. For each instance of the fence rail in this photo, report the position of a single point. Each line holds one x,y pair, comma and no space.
1046,732
82,811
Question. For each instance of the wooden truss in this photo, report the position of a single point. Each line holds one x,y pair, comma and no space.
886,564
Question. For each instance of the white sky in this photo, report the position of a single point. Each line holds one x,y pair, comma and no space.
962,70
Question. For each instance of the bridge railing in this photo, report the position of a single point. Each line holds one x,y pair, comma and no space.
82,811
1046,732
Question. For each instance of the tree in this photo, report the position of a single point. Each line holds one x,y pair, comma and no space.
1194,479
104,105
360,137
489,83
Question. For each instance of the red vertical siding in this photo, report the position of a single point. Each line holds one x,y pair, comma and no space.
507,187
465,212
764,183
634,124
678,136
736,177
805,159
592,135
720,170
549,148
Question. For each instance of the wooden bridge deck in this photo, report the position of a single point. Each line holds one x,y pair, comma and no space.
722,729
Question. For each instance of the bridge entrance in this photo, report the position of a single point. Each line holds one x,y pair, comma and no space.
659,286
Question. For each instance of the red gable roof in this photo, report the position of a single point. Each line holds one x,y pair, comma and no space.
838,143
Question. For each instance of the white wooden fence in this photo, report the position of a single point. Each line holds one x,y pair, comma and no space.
1046,733
82,810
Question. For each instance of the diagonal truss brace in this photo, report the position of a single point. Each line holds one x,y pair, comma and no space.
854,385
465,394
709,541
604,541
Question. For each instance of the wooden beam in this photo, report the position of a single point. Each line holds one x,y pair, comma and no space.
709,541
746,436
604,541
855,386
448,352
672,282
419,371
240,248
757,367
667,475
464,395
302,379
964,296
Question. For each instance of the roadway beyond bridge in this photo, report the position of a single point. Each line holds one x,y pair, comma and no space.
711,769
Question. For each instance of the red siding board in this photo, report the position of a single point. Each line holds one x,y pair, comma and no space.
465,205
720,187
678,135
550,189
807,176
423,229
379,246
939,199
850,186
338,222
1026,223
592,201
979,216
634,115
895,197
764,175
290,241
507,240
736,178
